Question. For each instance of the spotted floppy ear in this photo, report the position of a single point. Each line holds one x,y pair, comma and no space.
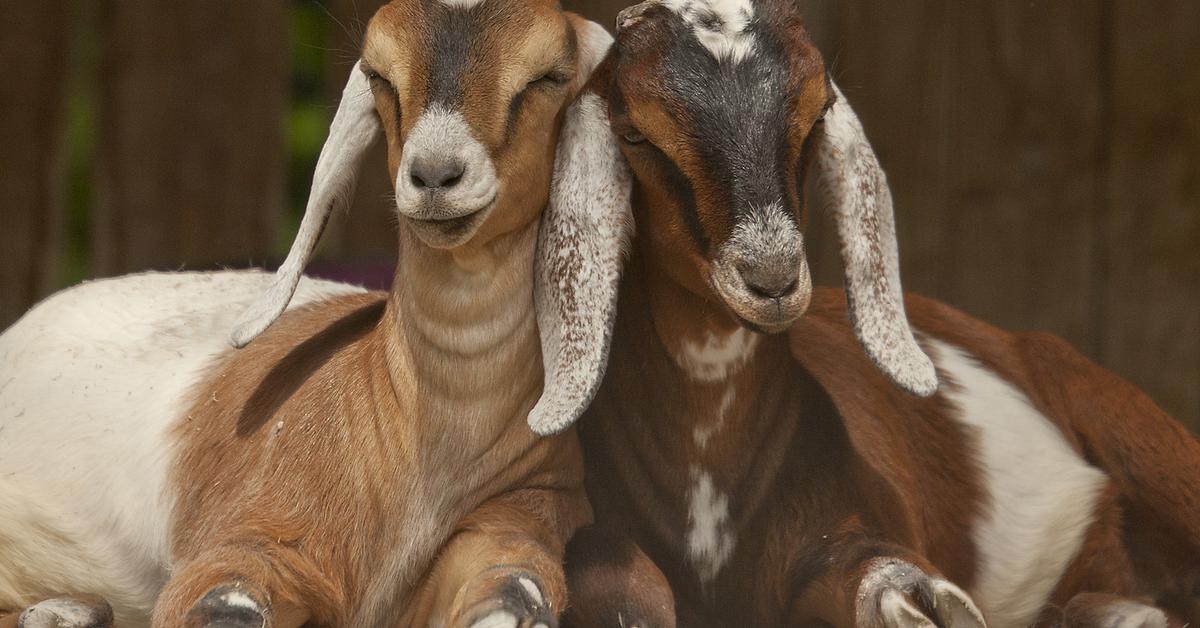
355,128
855,189
584,234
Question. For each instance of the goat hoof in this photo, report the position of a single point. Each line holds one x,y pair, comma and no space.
1099,610
517,602
82,611
229,606
896,594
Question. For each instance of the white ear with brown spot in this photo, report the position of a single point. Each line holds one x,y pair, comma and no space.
355,128
855,189
584,235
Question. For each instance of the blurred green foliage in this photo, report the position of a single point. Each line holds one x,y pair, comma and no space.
307,118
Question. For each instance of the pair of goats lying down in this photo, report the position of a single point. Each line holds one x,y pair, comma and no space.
748,464
738,477
366,460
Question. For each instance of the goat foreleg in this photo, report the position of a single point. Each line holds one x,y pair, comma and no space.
503,566
875,584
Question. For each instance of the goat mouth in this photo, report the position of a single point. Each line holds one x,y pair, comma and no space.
449,232
756,311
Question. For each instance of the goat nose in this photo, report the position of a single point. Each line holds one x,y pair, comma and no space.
436,172
770,284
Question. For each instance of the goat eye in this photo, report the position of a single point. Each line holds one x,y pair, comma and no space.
552,78
633,137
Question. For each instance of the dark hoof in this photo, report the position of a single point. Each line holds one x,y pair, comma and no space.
229,606
520,603
82,611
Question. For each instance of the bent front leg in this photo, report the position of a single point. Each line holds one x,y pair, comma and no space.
876,584
615,584
503,566
251,584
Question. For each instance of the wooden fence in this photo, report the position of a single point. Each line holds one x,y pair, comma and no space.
1045,155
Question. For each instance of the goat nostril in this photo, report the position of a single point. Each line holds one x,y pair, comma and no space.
437,174
770,287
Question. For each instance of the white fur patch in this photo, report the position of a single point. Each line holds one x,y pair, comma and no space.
702,433
498,619
56,613
462,4
92,381
1042,493
722,26
1129,614
532,589
241,600
710,542
716,358
445,135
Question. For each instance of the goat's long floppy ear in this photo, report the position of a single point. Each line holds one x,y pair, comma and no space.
856,190
355,128
584,234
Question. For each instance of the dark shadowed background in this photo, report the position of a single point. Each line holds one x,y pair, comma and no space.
1045,155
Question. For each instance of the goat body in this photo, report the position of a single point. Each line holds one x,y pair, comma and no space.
763,495
366,459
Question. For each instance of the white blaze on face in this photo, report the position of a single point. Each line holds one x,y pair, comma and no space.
722,26
1041,494
709,539
717,357
461,4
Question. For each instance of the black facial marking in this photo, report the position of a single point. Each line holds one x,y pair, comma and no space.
737,114
455,31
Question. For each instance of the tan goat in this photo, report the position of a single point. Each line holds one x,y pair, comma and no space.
366,460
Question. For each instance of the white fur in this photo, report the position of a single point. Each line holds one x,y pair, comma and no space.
716,358
702,433
722,26
241,600
854,187
354,129
98,374
59,613
442,134
1042,494
585,231
532,589
1129,614
462,4
498,619
710,541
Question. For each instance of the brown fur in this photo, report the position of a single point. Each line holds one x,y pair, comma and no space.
826,465
350,467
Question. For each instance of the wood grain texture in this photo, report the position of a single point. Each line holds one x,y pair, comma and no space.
1044,160
1151,229
191,152
33,47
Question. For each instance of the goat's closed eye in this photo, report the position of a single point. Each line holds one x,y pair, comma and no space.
553,78
633,137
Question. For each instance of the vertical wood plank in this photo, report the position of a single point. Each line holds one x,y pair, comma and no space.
33,49
190,150
1152,229
992,163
